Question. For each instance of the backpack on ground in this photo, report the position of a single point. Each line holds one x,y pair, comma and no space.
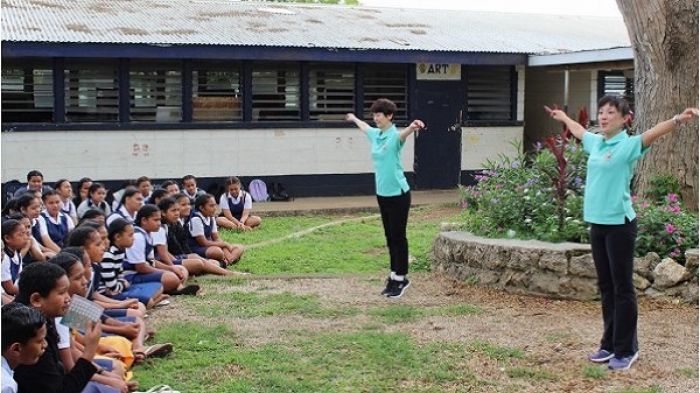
258,190
278,193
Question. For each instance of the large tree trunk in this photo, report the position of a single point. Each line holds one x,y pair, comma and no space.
664,36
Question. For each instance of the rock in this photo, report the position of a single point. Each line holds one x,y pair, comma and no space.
554,261
521,259
640,282
450,226
691,261
582,289
583,266
645,265
546,284
668,273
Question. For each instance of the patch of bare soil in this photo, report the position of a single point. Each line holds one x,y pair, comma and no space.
554,335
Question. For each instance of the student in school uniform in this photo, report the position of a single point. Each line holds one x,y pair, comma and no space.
117,195
14,238
35,183
235,206
95,200
31,252
54,225
189,188
112,283
141,265
156,196
82,189
144,185
171,187
204,236
45,288
163,241
65,191
23,341
129,205
29,204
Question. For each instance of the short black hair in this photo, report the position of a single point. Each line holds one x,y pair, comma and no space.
66,261
10,226
75,251
142,179
383,105
188,177
145,211
202,200
19,324
48,193
38,277
616,101
34,173
167,183
91,214
158,193
116,227
166,203
80,235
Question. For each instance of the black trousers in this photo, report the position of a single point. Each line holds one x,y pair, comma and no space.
394,212
613,254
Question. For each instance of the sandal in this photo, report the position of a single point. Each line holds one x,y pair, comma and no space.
162,303
160,389
158,350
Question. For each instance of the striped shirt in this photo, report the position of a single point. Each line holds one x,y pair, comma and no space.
111,269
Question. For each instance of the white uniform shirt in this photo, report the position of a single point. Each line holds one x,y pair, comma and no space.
247,204
9,385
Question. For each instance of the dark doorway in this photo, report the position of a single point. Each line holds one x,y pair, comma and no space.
438,152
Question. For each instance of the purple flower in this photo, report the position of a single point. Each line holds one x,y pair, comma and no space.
672,198
515,165
578,181
670,228
676,252
538,146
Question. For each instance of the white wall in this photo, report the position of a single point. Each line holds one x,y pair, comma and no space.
115,155
482,143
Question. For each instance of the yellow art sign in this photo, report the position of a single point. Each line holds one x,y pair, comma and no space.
438,71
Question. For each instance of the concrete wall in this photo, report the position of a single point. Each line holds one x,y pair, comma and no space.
114,155
482,143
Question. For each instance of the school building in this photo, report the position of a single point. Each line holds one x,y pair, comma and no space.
114,90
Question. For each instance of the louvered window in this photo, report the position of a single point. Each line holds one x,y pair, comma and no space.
275,92
91,92
216,92
489,93
616,82
331,91
27,92
386,81
155,93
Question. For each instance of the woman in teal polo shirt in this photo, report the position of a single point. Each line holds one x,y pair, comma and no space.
607,206
393,193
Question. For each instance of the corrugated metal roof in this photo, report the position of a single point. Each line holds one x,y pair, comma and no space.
221,22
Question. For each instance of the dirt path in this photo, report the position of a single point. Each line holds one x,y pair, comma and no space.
555,336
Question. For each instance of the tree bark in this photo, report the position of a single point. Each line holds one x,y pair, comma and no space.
664,37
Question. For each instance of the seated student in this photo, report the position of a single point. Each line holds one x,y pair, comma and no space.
156,196
44,287
111,283
189,188
93,215
54,225
110,359
35,183
129,204
65,192
141,265
144,185
117,195
14,238
95,200
204,237
195,264
81,190
23,341
235,206
30,205
31,252
171,187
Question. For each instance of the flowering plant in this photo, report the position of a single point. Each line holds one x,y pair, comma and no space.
664,227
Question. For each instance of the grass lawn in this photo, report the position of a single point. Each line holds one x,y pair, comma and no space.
309,319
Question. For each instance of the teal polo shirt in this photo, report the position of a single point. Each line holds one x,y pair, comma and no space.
611,165
389,178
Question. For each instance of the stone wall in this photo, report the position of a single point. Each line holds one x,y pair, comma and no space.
560,270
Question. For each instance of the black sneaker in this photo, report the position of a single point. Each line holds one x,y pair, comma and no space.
388,289
188,290
397,289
